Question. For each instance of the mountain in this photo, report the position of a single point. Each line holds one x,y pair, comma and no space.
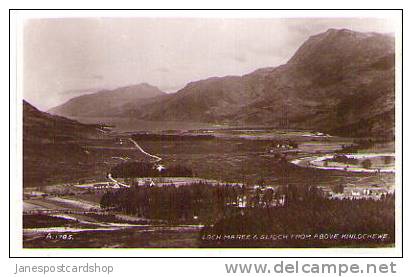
339,81
53,148
107,102
41,127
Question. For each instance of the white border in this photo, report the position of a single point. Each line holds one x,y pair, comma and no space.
17,17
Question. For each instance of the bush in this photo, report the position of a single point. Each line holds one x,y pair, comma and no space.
366,163
339,188
388,160
343,159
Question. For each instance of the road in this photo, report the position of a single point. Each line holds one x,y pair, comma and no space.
109,176
82,215
316,161
158,159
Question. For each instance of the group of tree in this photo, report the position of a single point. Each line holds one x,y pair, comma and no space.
306,210
343,159
360,144
367,163
339,158
202,201
287,142
308,215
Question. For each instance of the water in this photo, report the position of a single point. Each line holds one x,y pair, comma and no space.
123,124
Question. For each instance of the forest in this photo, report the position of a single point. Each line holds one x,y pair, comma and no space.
306,210
309,216
201,202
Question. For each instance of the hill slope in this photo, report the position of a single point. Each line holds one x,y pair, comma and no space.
42,127
106,102
339,81
52,147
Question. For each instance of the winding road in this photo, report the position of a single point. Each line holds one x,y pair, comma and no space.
158,159
316,162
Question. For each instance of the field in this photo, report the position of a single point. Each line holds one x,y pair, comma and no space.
233,158
251,156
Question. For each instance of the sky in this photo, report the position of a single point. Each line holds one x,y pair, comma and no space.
67,57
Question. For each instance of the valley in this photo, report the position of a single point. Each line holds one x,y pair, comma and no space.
247,157
307,147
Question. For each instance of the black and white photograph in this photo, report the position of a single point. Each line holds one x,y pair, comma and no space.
210,132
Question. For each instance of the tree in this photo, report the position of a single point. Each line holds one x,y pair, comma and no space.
366,163
291,194
338,188
268,197
387,160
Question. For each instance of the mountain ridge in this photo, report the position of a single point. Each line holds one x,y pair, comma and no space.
106,102
336,79
313,90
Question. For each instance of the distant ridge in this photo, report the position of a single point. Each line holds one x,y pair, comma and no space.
106,102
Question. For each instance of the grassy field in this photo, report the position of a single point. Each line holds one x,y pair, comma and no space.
226,158
248,161
235,155
238,156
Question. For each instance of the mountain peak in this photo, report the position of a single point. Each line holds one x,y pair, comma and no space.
336,81
341,47
140,85
334,30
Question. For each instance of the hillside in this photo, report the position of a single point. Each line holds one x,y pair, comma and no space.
107,102
43,127
339,81
52,146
